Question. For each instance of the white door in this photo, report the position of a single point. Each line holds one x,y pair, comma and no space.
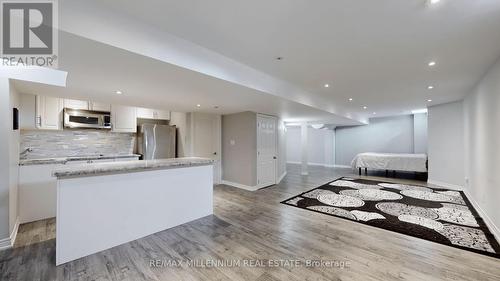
207,139
266,150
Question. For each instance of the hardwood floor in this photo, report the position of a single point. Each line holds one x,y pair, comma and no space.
255,226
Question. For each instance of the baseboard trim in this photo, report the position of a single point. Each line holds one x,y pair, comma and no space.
8,243
242,186
495,230
342,166
281,177
446,185
321,164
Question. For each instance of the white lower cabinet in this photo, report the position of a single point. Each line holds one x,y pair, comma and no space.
38,188
37,192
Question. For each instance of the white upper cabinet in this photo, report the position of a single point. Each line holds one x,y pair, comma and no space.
149,113
48,113
76,104
162,114
99,106
124,118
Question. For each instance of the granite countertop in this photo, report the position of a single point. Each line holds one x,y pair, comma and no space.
64,160
129,166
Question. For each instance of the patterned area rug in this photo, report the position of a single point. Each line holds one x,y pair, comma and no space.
440,215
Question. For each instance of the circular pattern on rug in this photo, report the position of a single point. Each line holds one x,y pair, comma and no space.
355,185
333,211
372,194
424,195
380,194
425,222
366,216
315,193
455,206
337,200
404,186
458,216
466,237
397,209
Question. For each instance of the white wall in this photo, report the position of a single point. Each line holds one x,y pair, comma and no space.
482,139
9,161
179,119
321,146
281,148
13,162
239,148
446,144
385,134
5,129
420,133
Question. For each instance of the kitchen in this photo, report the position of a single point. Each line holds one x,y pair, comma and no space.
62,139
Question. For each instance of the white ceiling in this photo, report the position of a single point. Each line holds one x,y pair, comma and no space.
96,71
375,52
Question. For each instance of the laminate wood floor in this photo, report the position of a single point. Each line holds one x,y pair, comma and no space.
253,227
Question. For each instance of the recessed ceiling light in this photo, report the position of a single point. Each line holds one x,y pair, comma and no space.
118,92
434,1
374,113
430,87
318,126
431,63
350,99
327,85
364,107
198,105
429,100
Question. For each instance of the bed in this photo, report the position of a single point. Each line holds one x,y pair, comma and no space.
390,162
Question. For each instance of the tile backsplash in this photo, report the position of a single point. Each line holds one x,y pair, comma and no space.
46,144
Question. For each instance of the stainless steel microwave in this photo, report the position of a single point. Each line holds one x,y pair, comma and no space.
79,118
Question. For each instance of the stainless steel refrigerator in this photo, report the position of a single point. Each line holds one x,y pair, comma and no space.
156,141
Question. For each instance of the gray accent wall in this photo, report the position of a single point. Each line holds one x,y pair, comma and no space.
384,134
47,143
420,129
239,146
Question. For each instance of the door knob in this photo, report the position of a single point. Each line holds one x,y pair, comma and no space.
215,153
274,157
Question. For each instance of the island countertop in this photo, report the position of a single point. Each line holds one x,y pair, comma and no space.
130,166
64,160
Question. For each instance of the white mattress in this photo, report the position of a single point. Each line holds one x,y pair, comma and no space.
391,161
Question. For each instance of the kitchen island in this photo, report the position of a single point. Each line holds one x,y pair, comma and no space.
100,206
